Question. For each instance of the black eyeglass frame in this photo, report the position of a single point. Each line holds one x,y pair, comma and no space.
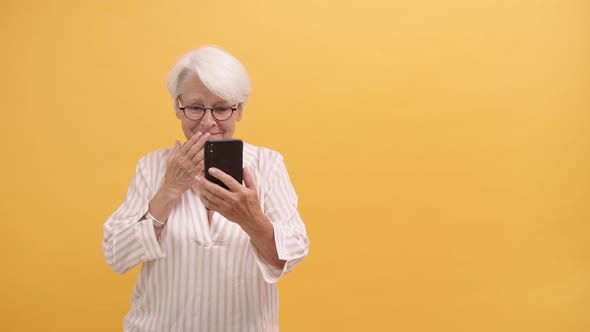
211,109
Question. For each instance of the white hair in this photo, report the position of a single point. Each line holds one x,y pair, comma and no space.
219,71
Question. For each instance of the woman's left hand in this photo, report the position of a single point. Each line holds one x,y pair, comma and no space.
239,204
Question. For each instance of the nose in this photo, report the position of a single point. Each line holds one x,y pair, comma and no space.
208,121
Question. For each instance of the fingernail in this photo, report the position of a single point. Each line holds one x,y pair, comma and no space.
198,179
212,171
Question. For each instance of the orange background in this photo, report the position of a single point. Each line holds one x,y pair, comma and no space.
440,149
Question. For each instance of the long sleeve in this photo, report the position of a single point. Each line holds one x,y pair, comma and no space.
201,274
128,241
280,206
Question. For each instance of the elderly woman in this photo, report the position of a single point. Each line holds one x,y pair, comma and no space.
210,257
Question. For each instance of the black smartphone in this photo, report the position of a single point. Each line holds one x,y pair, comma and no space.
225,155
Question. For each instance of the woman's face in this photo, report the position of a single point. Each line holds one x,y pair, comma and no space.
195,93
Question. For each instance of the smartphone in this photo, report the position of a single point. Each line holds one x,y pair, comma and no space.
225,155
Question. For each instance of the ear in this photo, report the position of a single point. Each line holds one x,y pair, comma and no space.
240,111
178,114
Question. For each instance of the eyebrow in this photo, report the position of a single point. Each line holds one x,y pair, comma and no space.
200,103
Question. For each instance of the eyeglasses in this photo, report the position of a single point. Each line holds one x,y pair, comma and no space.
197,112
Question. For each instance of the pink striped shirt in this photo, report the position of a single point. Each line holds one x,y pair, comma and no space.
201,277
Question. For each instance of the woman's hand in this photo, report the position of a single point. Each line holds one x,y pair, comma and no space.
184,164
239,204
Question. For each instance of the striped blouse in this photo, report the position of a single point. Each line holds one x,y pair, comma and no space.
198,276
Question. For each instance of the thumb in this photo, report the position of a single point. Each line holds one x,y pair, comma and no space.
177,146
248,181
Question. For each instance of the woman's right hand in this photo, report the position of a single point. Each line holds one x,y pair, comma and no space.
186,162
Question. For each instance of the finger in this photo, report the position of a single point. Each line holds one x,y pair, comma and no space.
248,180
198,157
189,144
227,179
210,189
199,168
209,205
210,193
195,186
198,146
